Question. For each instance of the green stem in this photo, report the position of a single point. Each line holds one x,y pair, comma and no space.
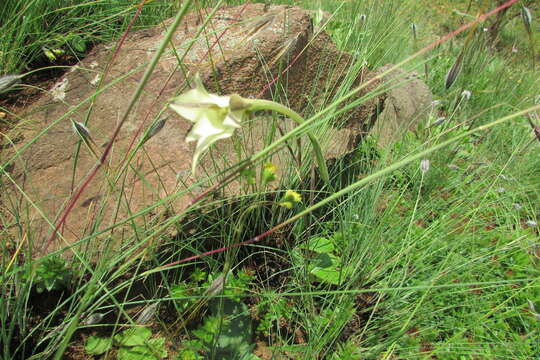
260,104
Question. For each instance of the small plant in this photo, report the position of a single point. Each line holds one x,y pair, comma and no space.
227,338
275,312
227,332
201,282
323,259
132,344
52,274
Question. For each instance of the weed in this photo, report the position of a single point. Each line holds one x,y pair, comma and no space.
51,274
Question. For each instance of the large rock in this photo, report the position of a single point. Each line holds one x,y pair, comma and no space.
242,49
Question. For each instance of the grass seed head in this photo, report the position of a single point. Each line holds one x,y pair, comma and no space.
92,319
453,73
531,223
439,121
424,166
8,81
526,17
156,128
413,28
81,130
466,94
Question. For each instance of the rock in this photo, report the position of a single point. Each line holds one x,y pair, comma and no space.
242,49
407,102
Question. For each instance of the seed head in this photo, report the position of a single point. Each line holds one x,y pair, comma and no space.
531,223
466,94
93,319
424,166
453,73
8,81
413,28
81,130
155,128
147,314
526,17
439,121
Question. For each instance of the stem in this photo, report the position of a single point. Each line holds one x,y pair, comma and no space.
261,104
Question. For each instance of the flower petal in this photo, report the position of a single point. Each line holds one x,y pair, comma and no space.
204,143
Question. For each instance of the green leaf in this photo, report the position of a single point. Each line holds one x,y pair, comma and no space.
158,347
97,345
189,354
133,336
326,268
320,245
153,350
136,353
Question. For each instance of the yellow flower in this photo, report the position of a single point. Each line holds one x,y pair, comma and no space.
290,198
215,117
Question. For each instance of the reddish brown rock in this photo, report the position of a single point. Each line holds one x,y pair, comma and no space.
241,51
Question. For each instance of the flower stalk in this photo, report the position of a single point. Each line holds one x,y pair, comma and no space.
217,117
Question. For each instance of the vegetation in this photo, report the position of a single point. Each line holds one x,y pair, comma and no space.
426,248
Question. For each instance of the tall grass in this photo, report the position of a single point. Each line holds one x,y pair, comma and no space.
443,262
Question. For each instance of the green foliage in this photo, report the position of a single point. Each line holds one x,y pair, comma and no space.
200,281
132,344
322,256
37,32
227,331
273,313
97,345
52,274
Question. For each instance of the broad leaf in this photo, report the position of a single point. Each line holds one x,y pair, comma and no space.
97,345
134,336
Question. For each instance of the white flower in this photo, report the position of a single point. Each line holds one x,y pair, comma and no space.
517,206
214,117
466,94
